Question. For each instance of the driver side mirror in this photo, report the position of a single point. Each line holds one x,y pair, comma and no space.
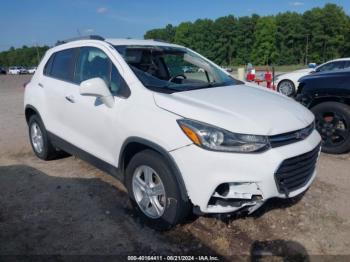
97,87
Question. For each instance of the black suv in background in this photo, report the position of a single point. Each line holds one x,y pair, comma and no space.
328,96
2,71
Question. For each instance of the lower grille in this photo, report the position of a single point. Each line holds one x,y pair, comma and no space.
296,172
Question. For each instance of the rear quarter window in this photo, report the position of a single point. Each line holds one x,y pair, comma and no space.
48,65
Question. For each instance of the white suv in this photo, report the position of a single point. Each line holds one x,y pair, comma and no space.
180,141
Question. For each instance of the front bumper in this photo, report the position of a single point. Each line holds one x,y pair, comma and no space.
250,177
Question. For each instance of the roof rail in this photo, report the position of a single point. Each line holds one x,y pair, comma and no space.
87,37
161,40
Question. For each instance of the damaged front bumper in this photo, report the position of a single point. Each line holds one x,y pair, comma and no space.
226,182
235,195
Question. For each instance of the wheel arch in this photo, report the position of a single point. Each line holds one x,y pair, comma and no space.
133,145
29,111
319,100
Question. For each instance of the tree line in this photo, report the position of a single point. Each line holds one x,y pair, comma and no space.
317,35
24,56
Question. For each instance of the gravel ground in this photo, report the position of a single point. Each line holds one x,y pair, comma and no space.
68,207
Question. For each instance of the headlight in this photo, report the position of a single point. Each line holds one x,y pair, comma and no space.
217,139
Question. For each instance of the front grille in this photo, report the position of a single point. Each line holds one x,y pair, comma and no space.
296,172
291,137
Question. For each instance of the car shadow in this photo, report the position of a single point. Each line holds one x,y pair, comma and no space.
284,250
42,214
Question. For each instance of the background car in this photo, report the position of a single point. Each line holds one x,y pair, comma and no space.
16,70
327,94
228,69
2,71
287,83
31,70
23,70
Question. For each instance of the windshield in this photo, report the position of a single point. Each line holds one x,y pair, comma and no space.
172,69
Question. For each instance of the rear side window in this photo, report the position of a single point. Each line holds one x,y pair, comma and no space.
48,66
62,66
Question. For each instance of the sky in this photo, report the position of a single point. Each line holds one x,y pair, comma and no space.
34,22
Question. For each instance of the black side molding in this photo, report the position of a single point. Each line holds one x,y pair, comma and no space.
118,172
71,149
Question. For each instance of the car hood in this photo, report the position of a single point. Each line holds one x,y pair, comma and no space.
300,72
238,108
305,70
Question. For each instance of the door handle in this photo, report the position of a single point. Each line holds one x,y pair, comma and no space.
70,99
41,85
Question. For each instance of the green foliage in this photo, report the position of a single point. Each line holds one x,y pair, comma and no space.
166,34
316,36
264,48
25,56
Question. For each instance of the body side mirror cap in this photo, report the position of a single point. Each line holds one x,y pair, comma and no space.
97,87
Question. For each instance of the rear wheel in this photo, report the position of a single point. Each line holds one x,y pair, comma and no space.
333,123
39,139
154,191
286,87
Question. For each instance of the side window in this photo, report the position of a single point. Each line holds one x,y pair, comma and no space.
117,83
338,65
48,65
331,66
93,62
63,64
346,64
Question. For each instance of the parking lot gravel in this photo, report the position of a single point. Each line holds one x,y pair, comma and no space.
68,207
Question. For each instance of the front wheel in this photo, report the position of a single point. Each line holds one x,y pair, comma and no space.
333,123
286,87
154,191
39,139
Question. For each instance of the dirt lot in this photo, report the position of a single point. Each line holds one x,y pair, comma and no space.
68,207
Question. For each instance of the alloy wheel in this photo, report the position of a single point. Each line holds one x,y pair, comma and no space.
149,192
286,88
37,138
333,128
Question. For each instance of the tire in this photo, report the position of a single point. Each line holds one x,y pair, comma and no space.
48,151
290,84
333,123
174,209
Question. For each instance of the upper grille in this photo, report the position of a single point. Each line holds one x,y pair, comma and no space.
295,172
291,137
